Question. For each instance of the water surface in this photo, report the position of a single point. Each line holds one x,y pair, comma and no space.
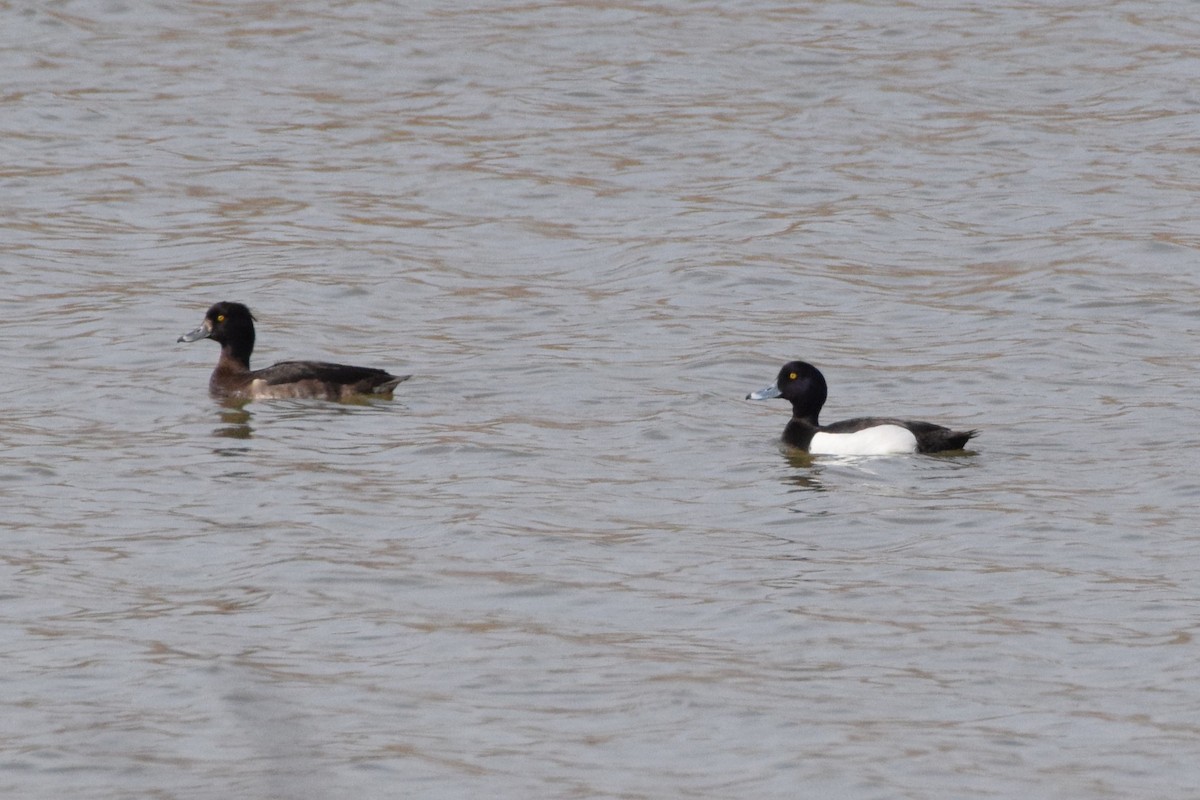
569,560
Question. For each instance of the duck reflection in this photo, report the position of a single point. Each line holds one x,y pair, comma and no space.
235,421
807,477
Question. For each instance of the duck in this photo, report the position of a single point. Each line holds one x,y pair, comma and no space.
231,325
804,387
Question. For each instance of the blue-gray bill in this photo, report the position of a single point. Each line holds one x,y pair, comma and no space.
765,393
200,333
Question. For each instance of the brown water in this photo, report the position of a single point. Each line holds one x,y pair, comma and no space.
569,560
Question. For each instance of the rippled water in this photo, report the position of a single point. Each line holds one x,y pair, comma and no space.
569,560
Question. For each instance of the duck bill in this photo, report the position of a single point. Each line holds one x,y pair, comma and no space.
203,332
765,393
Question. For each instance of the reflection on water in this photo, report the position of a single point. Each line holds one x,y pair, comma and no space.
235,419
808,469
807,474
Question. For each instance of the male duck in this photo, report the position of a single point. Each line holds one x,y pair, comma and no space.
804,385
232,326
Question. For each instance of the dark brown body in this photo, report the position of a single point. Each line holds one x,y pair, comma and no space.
232,326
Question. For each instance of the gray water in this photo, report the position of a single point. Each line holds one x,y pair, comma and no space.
569,560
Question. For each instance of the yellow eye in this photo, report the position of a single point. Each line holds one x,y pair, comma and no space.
221,318
791,375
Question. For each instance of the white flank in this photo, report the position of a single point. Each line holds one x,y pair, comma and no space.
877,441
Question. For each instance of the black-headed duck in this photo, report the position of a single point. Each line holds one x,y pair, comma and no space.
232,326
804,386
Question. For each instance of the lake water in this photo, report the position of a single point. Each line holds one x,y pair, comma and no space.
569,560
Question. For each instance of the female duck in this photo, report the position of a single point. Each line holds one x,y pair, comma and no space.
232,326
804,386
